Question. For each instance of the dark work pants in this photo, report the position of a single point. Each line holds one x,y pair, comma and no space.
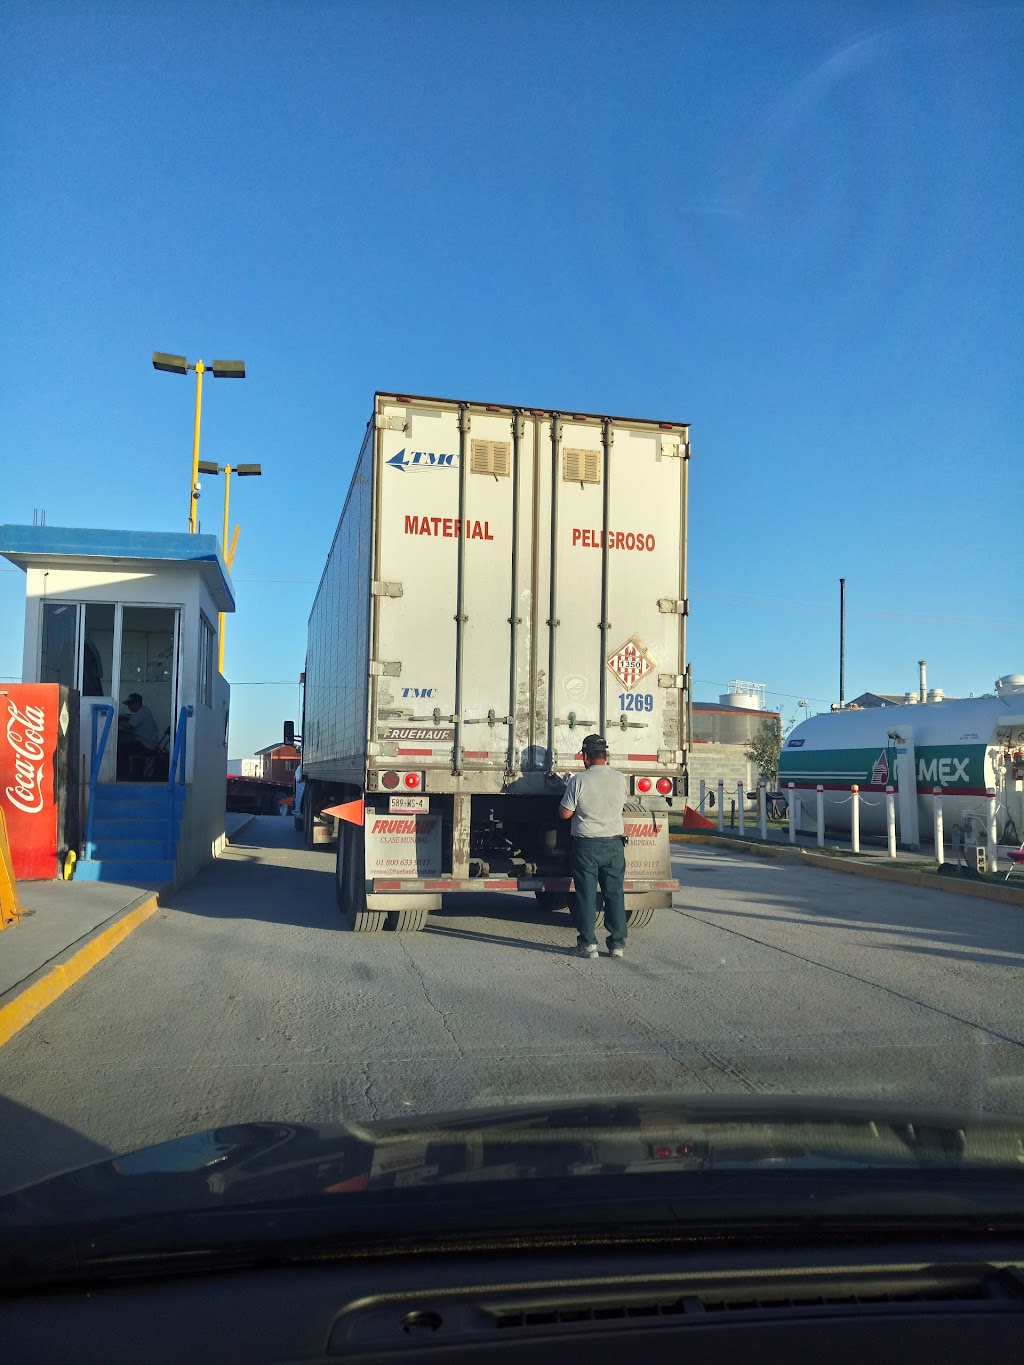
599,862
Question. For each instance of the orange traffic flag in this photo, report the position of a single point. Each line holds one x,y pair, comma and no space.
352,811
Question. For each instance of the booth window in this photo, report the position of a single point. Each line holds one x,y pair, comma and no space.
207,641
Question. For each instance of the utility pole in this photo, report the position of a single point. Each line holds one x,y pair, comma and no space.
842,643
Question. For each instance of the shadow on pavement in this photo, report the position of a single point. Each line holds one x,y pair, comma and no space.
921,920
35,1147
244,887
502,941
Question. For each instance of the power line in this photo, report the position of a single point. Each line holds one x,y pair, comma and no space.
793,696
816,609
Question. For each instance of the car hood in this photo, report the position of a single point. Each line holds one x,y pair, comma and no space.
284,1161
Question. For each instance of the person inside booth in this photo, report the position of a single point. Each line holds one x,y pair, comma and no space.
138,739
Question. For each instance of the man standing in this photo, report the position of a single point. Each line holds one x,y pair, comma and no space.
593,801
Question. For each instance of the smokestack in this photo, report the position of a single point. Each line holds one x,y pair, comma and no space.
923,666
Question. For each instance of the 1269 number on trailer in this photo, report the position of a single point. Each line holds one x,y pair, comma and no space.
636,701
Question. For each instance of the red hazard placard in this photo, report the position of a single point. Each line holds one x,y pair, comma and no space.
28,742
631,663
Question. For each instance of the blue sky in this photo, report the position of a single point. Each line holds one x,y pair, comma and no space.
796,226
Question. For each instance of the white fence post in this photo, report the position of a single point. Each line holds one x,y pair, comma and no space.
819,803
890,820
940,853
743,813
993,833
703,795
721,806
791,812
855,818
762,808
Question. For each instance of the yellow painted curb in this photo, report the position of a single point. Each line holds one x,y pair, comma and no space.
1006,895
35,998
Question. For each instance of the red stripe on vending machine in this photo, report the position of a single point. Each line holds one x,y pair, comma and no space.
37,780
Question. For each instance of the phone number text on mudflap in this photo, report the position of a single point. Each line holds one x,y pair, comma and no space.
617,540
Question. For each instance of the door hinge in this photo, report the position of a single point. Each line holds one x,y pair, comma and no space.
385,670
392,422
379,589
672,757
674,606
672,448
672,680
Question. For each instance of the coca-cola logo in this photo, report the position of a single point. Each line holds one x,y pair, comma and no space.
25,732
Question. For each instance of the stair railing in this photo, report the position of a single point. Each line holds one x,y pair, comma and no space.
178,757
96,751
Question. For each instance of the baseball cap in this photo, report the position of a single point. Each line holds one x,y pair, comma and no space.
132,696
594,745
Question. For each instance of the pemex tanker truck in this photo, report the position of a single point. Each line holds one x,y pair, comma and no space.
954,751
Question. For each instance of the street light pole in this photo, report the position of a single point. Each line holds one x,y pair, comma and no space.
242,470
193,504
227,496
221,369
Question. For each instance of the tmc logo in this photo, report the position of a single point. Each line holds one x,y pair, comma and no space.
417,691
422,459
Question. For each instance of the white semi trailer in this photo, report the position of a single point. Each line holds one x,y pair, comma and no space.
503,581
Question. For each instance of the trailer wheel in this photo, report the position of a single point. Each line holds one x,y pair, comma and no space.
554,901
407,921
348,883
307,824
641,917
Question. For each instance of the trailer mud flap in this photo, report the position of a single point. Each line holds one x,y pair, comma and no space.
648,854
402,846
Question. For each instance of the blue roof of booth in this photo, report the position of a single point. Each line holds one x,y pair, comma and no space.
31,546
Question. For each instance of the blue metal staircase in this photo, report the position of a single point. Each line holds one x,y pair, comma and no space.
132,828
134,832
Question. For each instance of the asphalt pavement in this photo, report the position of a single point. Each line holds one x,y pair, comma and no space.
244,998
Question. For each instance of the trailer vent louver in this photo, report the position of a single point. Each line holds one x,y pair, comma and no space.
491,457
581,466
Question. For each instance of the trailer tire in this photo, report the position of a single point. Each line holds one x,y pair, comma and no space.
349,885
553,902
307,823
407,921
641,917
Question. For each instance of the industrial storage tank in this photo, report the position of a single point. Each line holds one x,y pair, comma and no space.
965,747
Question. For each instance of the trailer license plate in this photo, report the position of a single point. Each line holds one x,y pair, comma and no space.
408,805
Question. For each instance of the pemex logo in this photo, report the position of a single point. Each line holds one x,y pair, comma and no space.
880,772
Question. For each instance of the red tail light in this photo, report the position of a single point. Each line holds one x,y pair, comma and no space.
663,1151
665,785
643,784
412,779
389,781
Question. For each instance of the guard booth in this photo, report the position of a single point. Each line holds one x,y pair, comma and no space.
128,620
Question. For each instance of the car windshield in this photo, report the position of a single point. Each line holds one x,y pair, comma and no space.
556,717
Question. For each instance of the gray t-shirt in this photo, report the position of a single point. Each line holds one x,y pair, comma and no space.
596,797
144,727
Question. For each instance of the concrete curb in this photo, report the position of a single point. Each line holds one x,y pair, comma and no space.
960,886
240,829
22,1003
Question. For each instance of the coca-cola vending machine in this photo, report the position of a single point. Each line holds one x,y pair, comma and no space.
39,775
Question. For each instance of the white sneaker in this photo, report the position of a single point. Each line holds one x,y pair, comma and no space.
588,950
615,952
